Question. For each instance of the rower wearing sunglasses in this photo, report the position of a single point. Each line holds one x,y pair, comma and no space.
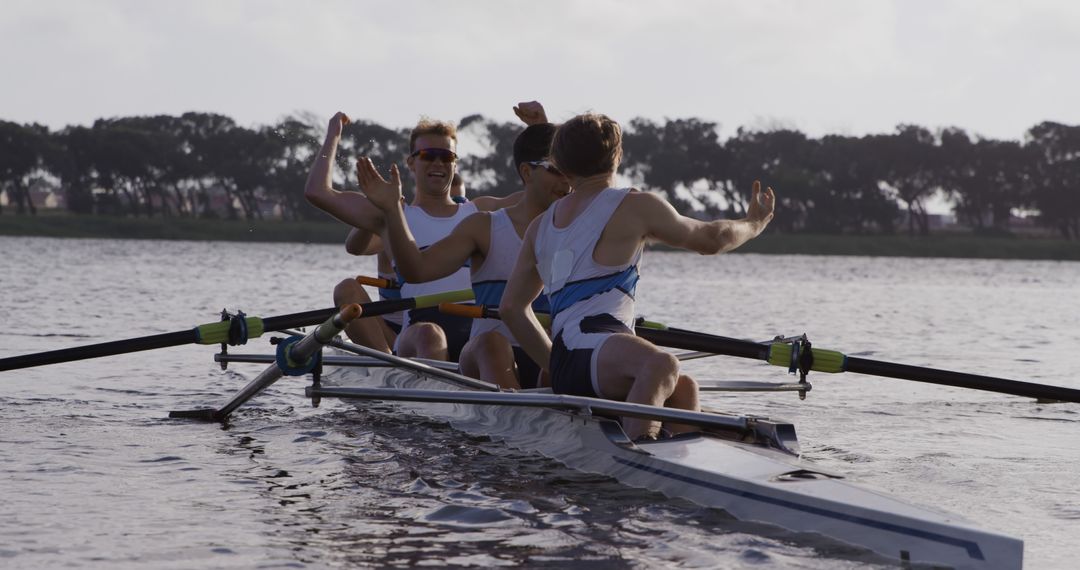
425,333
488,241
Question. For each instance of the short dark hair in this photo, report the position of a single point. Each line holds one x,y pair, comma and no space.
533,144
587,145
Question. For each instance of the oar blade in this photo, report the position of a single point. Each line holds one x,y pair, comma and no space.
204,415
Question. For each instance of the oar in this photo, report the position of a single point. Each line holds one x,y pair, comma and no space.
296,356
486,312
234,331
786,354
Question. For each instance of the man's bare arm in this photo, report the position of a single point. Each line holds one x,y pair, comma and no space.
349,207
441,258
363,242
516,306
663,223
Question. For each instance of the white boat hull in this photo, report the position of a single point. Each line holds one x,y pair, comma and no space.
752,482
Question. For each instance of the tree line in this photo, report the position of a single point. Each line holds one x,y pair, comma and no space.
207,166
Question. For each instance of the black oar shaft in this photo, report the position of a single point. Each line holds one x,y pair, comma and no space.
164,340
305,319
690,340
961,380
102,349
309,318
686,340
191,336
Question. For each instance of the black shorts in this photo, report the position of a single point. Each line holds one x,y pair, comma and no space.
571,370
396,327
528,370
457,329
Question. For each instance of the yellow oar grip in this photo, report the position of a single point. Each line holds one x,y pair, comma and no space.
651,325
829,361
218,332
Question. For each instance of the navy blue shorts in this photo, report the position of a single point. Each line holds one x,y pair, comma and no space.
528,370
457,329
396,327
571,370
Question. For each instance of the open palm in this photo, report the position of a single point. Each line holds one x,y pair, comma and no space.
385,194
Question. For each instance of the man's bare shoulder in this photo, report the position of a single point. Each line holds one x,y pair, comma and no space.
642,201
492,203
475,224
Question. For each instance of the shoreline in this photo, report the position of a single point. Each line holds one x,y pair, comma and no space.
332,232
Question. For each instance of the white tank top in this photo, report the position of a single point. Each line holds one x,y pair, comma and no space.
577,286
428,229
489,280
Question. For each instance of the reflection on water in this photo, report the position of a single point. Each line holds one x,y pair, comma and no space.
96,475
402,492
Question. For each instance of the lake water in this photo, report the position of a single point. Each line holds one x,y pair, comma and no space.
93,474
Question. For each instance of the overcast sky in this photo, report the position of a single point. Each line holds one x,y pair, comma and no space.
992,67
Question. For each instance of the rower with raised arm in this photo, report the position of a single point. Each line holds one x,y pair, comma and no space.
488,242
432,215
584,254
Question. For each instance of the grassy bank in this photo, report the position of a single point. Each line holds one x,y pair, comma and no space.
942,245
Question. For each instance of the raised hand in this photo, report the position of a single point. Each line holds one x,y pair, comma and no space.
761,206
531,113
337,124
384,194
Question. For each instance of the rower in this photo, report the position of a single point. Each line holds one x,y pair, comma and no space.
432,160
584,253
489,242
457,189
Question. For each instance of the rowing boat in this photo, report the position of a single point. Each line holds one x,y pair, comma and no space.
748,466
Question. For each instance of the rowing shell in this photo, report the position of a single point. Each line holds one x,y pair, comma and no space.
747,466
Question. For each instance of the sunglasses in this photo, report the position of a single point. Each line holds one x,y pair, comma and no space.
546,165
443,155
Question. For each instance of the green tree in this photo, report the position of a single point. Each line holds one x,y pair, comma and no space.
850,174
986,179
912,171
69,155
783,159
1056,176
492,173
683,159
21,151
